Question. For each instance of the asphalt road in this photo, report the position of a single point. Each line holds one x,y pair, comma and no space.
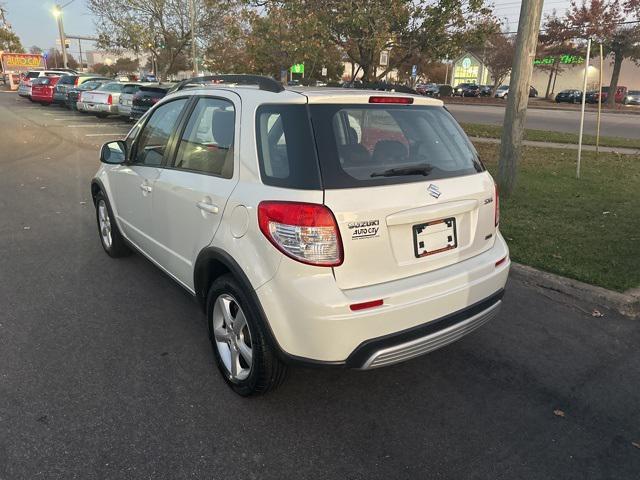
106,371
612,124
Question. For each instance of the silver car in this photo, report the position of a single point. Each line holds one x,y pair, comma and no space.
126,98
632,98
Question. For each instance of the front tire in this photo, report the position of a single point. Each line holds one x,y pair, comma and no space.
110,237
241,347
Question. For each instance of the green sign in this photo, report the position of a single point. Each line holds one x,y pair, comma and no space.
297,68
564,59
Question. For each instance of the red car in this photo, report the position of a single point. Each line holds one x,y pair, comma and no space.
42,89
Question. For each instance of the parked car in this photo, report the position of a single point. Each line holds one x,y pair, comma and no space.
379,259
42,89
428,89
592,96
503,92
73,94
126,98
68,82
146,97
485,90
632,98
466,90
103,101
569,96
24,88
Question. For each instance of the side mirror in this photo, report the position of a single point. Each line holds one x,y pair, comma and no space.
114,153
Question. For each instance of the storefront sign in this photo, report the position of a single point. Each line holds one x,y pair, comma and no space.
18,62
563,59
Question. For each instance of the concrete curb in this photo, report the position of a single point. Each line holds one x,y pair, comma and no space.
628,303
565,146
625,111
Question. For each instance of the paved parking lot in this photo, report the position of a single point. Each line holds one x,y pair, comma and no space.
106,370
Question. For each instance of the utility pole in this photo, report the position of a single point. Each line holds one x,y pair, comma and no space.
516,111
194,48
57,12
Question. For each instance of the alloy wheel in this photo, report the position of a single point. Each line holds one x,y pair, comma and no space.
232,337
104,223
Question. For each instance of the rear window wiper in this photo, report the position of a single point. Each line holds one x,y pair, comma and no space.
423,169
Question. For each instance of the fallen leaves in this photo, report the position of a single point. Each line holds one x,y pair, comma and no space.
636,444
597,313
559,413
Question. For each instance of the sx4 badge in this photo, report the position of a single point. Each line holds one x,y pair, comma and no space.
364,229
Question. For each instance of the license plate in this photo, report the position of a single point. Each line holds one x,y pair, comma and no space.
434,237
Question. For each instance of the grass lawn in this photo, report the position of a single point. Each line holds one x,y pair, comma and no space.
587,229
495,131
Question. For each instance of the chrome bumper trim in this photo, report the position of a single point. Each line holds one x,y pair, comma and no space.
420,346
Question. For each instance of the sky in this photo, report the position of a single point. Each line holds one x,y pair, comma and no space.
34,23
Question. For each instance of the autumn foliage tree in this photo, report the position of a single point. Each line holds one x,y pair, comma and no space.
362,29
604,22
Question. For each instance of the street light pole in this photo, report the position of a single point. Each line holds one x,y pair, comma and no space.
57,12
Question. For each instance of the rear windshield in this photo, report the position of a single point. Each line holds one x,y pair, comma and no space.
360,145
111,87
67,79
41,81
33,74
634,92
130,88
367,145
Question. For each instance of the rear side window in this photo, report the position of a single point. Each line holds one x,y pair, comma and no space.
367,145
41,81
207,142
286,149
67,80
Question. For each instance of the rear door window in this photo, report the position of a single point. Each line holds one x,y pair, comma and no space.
366,145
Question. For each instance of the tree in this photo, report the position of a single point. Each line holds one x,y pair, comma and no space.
498,58
36,50
9,41
126,65
161,27
554,42
603,21
55,60
405,28
103,69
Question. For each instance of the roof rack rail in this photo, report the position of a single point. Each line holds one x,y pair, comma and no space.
264,83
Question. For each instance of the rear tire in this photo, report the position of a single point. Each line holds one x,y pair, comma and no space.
241,346
110,237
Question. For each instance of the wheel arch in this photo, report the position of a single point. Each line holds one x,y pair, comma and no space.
96,187
211,263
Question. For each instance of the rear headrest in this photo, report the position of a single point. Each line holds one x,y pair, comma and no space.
223,127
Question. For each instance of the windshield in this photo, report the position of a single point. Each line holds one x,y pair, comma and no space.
365,145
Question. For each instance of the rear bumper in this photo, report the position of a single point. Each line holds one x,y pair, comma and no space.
412,343
124,110
97,107
311,320
59,97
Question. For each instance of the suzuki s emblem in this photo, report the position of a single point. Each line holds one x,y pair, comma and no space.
433,190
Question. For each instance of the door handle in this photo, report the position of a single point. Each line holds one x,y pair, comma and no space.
207,207
146,188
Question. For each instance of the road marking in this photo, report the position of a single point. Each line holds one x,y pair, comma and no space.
86,125
112,134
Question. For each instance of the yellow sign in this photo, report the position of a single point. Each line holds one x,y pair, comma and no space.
21,61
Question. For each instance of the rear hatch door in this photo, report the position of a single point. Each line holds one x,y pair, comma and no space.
406,187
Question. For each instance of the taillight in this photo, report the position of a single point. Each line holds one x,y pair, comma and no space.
109,100
306,232
496,207
75,82
402,100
